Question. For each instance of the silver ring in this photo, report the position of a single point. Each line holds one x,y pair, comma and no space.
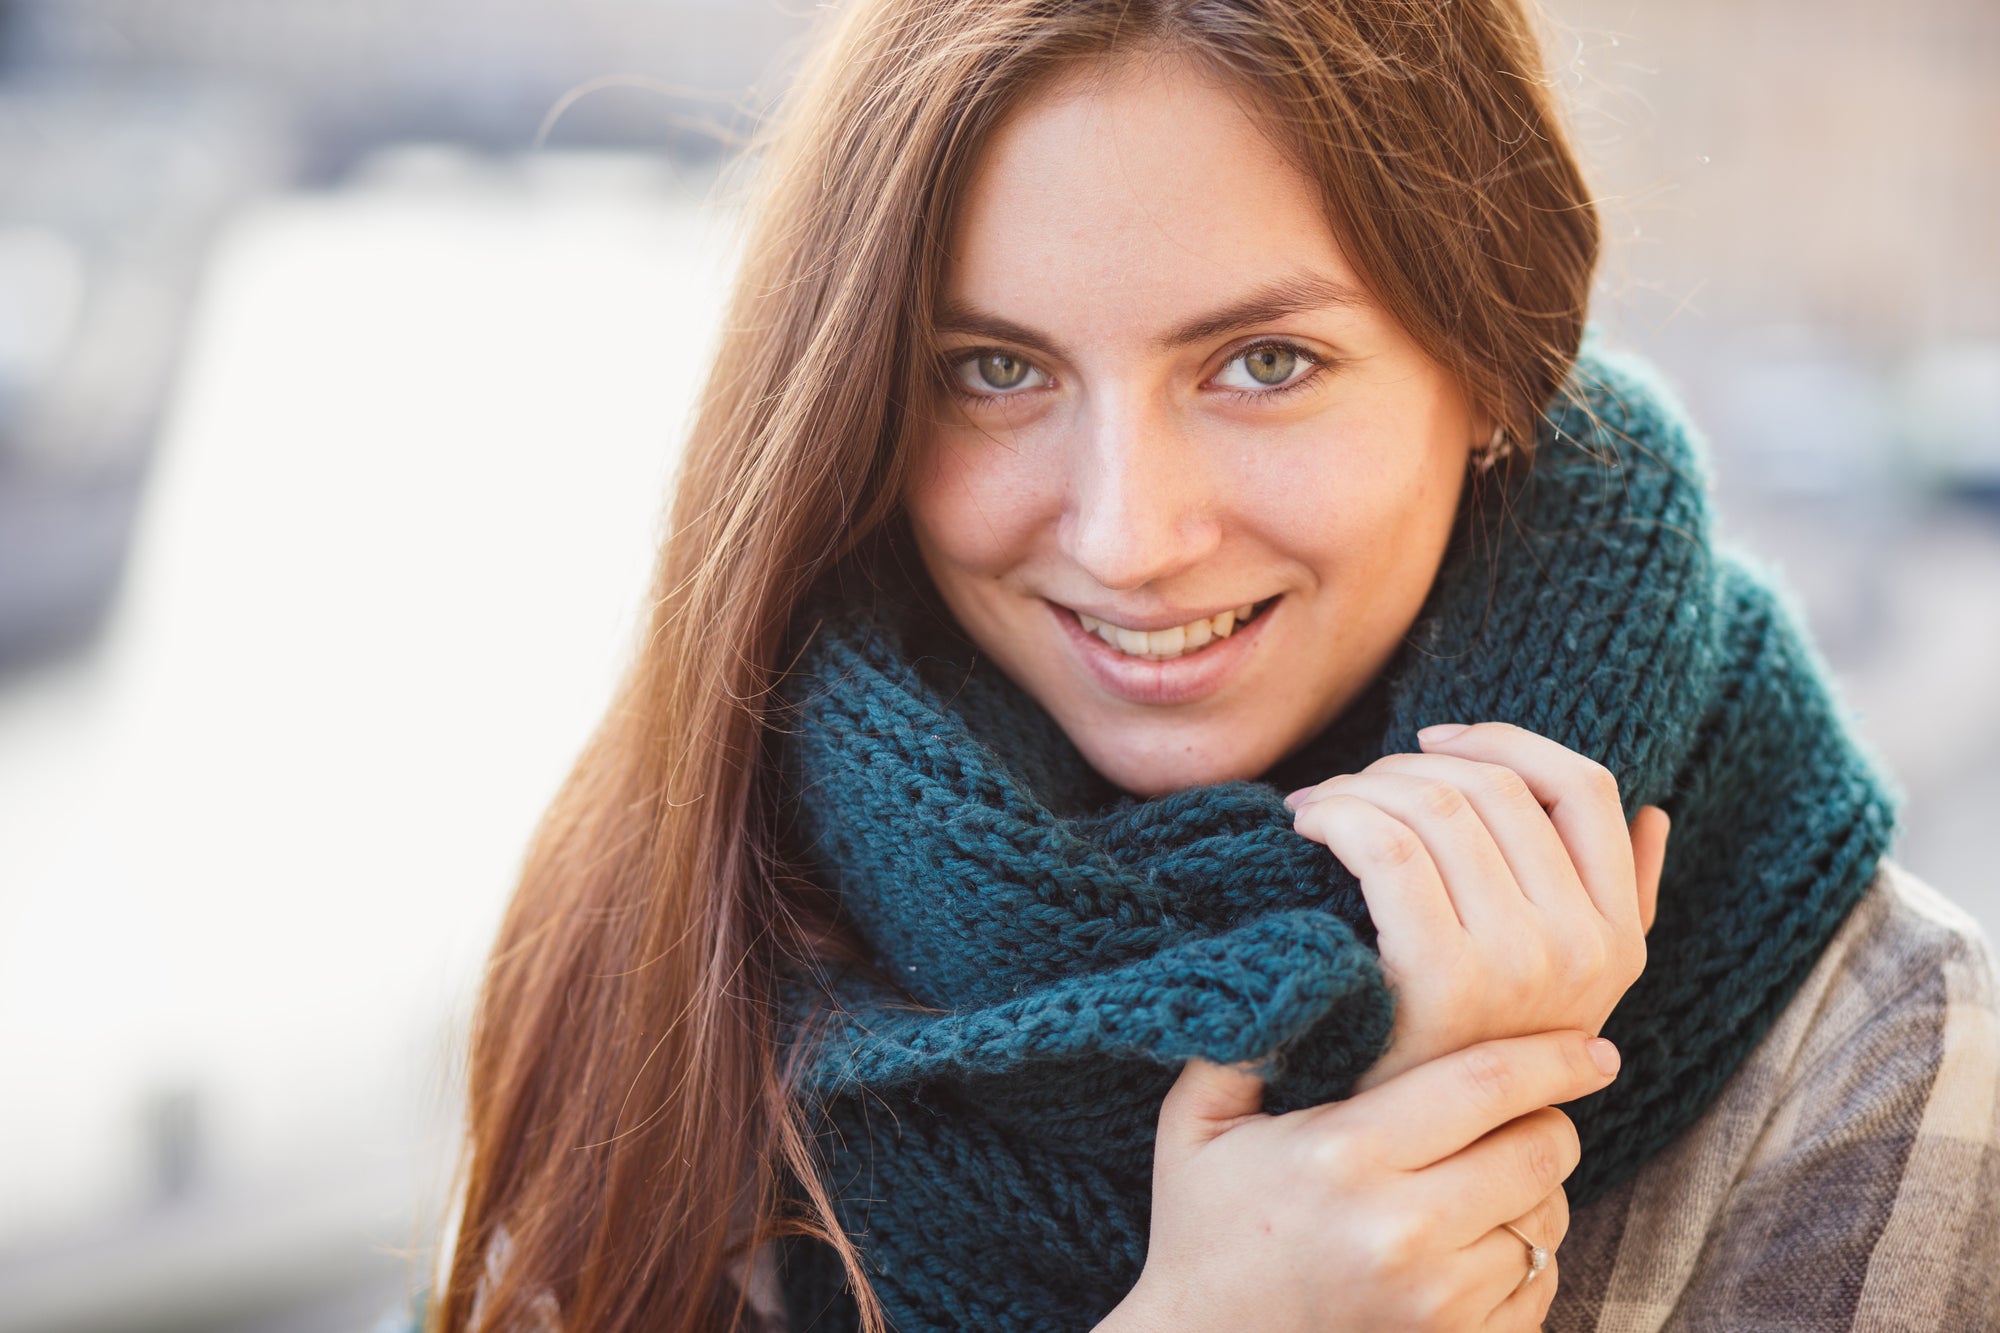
1538,1255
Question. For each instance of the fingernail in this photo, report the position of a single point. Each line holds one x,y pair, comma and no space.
1292,801
1443,731
1605,1055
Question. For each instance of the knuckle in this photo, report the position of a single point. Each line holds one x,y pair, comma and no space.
1393,845
1489,1076
1328,1155
1441,799
1529,977
1600,781
1552,1217
1623,958
1504,783
1634,958
1399,1243
1430,1305
1550,1149
1541,1160
1581,957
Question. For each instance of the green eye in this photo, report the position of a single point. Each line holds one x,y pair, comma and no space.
992,374
1271,363
997,370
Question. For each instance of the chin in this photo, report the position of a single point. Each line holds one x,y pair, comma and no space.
1154,760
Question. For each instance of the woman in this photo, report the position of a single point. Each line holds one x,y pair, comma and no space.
1122,816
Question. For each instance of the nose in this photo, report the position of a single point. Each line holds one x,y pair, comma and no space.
1140,506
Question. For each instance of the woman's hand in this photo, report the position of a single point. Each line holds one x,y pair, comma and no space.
1382,1212
1509,894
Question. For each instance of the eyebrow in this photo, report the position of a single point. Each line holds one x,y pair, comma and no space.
1296,294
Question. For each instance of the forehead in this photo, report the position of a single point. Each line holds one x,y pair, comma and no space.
1134,191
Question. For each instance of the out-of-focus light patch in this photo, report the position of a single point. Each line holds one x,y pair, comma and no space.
1949,396
252,855
41,298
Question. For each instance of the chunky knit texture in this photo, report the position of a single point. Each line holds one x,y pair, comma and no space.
1049,950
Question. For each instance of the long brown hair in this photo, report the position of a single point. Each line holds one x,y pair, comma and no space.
631,1122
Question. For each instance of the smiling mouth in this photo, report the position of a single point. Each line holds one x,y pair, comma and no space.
1163,645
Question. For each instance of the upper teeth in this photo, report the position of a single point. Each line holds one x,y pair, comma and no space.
1161,644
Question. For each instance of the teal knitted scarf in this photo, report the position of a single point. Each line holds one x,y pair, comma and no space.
1047,951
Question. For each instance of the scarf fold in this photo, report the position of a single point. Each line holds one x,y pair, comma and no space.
1049,950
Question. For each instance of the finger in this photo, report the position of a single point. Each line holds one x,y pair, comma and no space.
1399,880
1527,1302
1581,796
1503,1265
1475,876
1649,857
1520,1301
1206,1101
1514,820
1426,1114
1548,1221
1504,1175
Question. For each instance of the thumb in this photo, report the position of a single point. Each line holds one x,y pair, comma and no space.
1649,855
1206,1101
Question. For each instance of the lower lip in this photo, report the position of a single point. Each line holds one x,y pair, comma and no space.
1178,680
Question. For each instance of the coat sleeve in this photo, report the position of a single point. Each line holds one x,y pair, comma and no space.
1871,1198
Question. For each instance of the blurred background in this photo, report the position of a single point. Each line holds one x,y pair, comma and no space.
345,346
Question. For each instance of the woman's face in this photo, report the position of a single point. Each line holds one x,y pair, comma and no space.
1170,400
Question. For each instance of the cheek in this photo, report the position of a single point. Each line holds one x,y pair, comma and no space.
977,506
1357,499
